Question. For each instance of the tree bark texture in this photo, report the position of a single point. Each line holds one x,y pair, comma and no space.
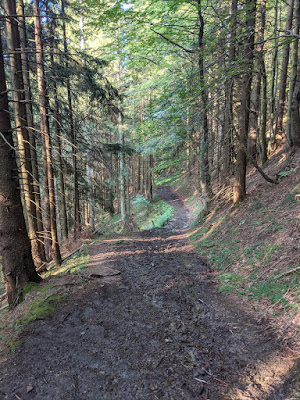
77,225
292,105
31,129
283,79
15,249
256,90
59,158
16,68
45,133
205,182
239,190
228,109
295,116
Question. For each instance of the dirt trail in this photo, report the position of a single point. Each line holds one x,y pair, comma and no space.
160,330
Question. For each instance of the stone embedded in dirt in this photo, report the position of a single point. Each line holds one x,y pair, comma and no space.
30,388
100,271
95,366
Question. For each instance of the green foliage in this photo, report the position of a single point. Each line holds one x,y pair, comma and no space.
287,173
169,179
272,288
231,282
13,344
75,265
141,202
292,198
161,214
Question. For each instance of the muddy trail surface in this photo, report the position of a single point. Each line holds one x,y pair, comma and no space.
158,330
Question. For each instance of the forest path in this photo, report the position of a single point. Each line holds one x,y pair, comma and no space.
160,330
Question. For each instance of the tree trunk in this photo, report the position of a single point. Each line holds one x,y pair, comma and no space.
60,173
45,132
274,76
239,190
295,116
264,110
256,90
228,109
124,213
36,198
77,225
295,61
149,185
138,182
89,173
15,61
205,182
15,250
283,79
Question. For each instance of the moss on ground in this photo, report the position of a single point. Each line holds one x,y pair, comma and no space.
40,308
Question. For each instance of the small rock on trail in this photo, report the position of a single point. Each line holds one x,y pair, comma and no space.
160,330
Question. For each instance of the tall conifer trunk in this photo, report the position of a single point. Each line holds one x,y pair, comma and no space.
45,132
124,211
278,135
205,182
77,225
295,116
59,158
229,86
16,68
239,190
36,193
256,91
274,76
15,250
292,106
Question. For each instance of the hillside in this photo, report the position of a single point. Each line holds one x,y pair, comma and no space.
253,248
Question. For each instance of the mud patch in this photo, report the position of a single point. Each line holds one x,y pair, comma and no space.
158,330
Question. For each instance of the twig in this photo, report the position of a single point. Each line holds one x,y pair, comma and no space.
268,269
200,380
73,252
289,272
3,296
265,227
42,268
3,307
260,276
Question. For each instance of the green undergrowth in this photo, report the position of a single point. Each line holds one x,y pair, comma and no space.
43,303
40,308
159,214
144,215
245,246
150,215
74,265
167,180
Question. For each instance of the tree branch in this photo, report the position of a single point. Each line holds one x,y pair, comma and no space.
263,174
174,43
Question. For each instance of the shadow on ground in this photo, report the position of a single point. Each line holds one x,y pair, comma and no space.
160,330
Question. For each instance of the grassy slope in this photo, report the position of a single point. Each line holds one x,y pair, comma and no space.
253,247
